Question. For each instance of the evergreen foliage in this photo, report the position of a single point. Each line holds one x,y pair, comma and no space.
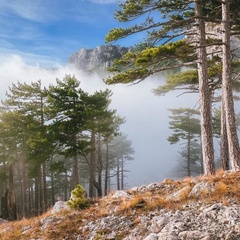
185,124
78,198
46,135
164,22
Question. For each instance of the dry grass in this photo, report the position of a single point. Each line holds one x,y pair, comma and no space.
64,229
225,189
13,230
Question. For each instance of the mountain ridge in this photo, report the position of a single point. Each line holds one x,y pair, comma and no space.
96,59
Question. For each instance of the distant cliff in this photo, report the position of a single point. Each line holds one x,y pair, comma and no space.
96,59
215,31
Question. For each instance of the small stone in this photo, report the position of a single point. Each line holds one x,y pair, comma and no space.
120,194
151,236
59,206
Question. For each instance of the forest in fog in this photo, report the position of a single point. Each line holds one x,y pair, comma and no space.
54,138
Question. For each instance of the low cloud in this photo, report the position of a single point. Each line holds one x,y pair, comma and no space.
146,115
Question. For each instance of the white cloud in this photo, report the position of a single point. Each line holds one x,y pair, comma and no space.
8,54
37,10
14,68
46,11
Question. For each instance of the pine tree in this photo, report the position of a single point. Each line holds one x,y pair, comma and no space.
24,105
177,18
227,92
185,124
65,111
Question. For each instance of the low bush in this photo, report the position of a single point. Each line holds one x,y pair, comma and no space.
78,198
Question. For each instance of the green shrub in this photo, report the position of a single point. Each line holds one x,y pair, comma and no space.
78,198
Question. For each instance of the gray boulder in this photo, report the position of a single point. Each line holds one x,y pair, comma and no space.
59,206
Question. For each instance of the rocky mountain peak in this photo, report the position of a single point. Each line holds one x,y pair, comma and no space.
96,59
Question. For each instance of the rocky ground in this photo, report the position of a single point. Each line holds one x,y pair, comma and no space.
206,208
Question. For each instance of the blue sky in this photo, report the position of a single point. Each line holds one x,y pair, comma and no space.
48,31
39,35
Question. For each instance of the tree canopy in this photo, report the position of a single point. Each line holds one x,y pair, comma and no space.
176,37
46,137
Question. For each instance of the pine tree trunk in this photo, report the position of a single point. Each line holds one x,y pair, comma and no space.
97,170
2,188
36,202
41,210
106,187
30,197
75,174
92,167
66,187
201,159
98,185
4,206
188,155
224,154
75,179
24,183
22,204
118,173
44,187
227,93
122,173
3,182
204,94
8,201
52,189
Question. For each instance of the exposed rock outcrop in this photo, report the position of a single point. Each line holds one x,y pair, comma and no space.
189,209
59,206
96,59
215,31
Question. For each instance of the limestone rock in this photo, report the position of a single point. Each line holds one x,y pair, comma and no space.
99,58
201,187
59,206
195,235
182,193
46,222
151,236
120,194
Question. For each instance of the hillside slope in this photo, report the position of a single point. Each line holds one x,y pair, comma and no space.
192,208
